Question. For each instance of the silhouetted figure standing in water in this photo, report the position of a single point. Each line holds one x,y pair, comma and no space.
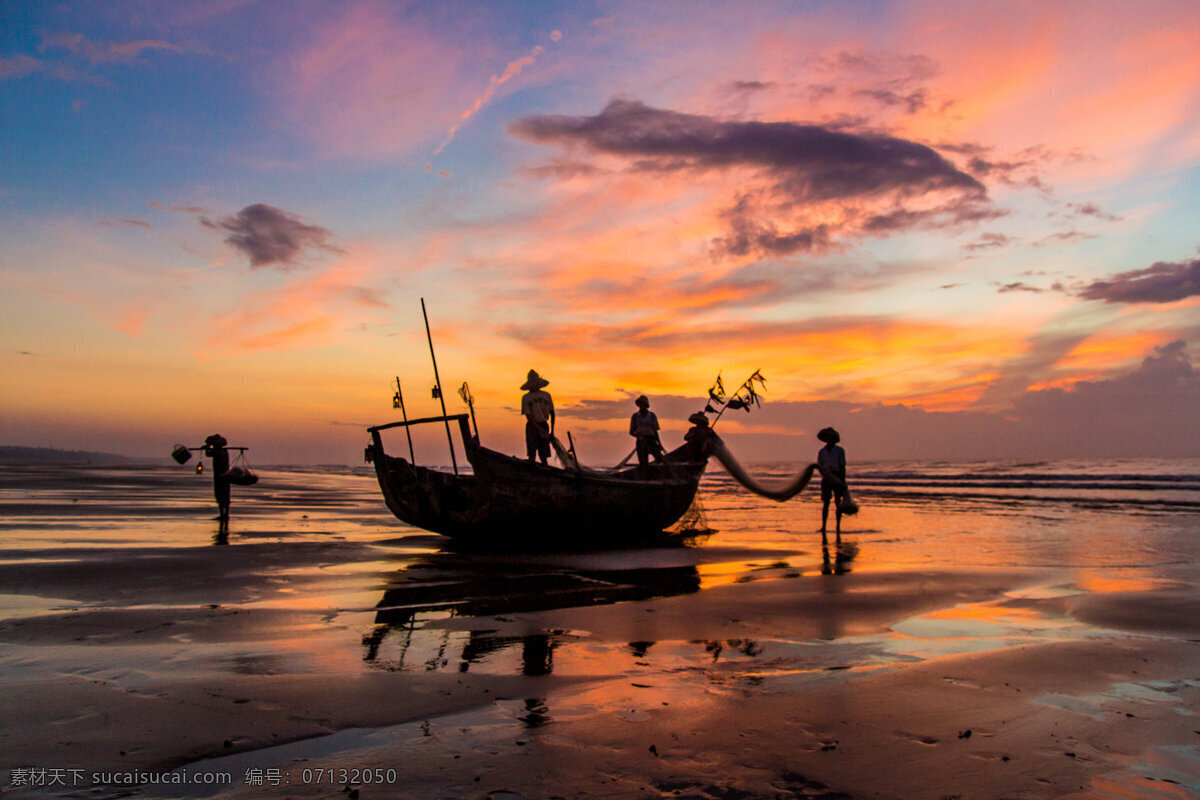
214,448
538,408
832,460
643,426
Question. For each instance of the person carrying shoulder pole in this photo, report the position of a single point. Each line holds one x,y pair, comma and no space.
214,448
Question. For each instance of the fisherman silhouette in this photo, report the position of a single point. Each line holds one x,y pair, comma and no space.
538,408
643,426
698,439
214,448
832,460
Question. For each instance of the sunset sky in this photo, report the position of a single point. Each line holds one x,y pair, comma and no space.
949,229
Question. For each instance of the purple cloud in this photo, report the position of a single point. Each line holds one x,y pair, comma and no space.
181,209
1018,286
1064,237
269,235
1092,210
803,165
814,163
988,241
912,102
126,222
1149,411
1159,283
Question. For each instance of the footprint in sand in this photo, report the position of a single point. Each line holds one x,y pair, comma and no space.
928,741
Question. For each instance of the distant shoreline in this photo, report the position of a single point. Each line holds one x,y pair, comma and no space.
11,455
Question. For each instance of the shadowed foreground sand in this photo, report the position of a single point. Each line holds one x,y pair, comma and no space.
1037,719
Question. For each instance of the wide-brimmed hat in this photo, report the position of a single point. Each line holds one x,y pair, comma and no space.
699,418
534,381
642,402
216,440
829,436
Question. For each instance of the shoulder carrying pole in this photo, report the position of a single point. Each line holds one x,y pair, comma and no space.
438,381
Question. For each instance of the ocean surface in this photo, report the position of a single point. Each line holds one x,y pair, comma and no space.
1071,512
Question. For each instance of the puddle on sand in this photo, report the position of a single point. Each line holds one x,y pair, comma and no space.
1164,773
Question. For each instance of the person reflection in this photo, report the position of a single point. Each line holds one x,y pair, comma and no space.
537,655
639,649
843,554
536,713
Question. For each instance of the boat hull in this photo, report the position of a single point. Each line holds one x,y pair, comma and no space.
513,503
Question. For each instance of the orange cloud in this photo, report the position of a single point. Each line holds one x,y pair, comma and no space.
306,311
1099,355
844,358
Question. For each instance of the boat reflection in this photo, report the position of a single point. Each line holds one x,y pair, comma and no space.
413,629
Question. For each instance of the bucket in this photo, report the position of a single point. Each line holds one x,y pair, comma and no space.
181,454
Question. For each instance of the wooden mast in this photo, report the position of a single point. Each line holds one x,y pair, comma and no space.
438,381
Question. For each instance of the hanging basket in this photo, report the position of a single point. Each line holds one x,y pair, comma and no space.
240,473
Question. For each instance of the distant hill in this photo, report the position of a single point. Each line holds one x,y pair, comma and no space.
15,456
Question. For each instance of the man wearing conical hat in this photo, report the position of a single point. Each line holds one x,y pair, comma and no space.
643,426
832,460
538,409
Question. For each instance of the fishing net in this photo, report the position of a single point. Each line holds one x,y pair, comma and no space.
694,521
566,456
785,491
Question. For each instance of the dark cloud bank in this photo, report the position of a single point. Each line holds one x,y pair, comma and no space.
1150,411
271,236
912,184
1158,283
1161,282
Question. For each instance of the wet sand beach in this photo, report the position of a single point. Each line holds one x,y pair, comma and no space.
967,637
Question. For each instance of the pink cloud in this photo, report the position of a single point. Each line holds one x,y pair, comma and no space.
374,83
132,321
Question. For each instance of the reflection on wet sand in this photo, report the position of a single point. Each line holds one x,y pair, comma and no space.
843,554
448,585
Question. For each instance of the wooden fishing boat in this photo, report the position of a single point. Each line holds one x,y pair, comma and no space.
511,503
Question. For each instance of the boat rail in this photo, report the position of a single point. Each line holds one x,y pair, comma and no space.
461,419
376,447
